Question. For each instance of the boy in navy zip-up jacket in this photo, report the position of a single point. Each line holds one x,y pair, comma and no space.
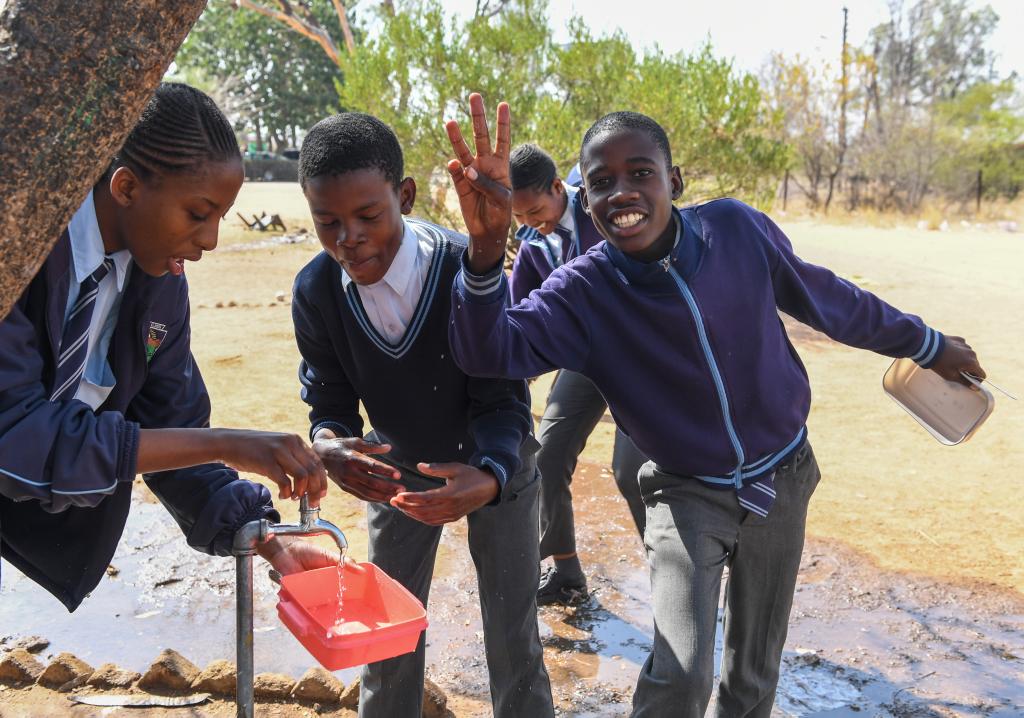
371,317
86,405
554,230
675,320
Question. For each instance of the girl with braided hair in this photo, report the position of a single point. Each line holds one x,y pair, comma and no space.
98,382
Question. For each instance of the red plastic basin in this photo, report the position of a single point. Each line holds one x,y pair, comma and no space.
381,618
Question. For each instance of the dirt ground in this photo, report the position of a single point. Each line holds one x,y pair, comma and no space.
912,594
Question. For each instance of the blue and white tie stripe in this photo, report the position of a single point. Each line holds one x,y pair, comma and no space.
759,495
74,343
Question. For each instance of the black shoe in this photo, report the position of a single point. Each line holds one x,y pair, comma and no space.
555,588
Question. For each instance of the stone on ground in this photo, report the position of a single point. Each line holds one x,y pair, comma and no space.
19,666
435,702
32,644
350,696
318,686
64,668
218,678
273,686
109,675
170,672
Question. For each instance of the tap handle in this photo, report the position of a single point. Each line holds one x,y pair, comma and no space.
307,515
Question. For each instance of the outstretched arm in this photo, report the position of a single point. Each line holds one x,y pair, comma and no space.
816,296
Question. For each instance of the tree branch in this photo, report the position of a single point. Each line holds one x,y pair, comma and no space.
287,16
346,29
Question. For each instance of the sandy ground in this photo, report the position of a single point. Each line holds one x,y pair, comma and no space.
912,592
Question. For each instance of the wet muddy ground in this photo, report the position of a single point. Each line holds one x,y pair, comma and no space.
862,642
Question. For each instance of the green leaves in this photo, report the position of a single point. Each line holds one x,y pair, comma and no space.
419,67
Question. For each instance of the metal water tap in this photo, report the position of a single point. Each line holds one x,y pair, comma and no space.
244,546
310,524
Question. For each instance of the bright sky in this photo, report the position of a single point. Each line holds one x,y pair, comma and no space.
749,31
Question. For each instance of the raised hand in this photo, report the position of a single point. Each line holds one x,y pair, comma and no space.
466,490
349,465
483,184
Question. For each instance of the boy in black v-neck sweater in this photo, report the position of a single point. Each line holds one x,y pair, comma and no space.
371,318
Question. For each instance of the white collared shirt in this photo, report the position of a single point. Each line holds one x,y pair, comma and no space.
391,302
87,255
567,221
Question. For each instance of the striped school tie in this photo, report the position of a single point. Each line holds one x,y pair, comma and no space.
758,496
74,344
566,237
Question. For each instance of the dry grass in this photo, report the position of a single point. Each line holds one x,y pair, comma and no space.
889,489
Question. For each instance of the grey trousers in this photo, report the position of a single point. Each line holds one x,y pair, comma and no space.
574,407
693,532
503,544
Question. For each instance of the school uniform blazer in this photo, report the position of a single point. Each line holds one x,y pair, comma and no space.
536,258
66,472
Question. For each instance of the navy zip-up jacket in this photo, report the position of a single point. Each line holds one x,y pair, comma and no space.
66,472
536,259
690,351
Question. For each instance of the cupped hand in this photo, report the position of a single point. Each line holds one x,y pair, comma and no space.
467,488
349,464
291,554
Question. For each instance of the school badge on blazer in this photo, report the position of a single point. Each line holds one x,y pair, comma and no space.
154,338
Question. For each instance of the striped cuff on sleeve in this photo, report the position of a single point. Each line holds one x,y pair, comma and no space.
500,473
339,429
481,288
931,348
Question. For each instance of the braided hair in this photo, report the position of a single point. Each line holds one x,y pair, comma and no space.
619,121
531,168
347,142
180,129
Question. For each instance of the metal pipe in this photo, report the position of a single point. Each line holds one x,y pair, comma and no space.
244,676
243,547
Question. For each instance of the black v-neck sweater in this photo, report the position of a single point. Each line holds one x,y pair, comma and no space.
415,396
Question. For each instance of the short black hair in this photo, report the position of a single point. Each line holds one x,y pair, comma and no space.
347,142
629,121
180,129
531,168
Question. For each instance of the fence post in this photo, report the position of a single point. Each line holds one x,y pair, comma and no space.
785,190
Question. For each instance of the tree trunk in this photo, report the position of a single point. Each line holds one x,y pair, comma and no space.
74,77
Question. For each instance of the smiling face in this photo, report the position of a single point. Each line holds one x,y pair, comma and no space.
168,219
540,209
358,219
629,192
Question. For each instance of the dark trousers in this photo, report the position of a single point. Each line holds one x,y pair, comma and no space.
503,544
574,407
693,532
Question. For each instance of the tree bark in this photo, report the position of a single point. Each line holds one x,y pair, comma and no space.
74,77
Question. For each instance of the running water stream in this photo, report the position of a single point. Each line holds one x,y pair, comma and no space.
339,621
